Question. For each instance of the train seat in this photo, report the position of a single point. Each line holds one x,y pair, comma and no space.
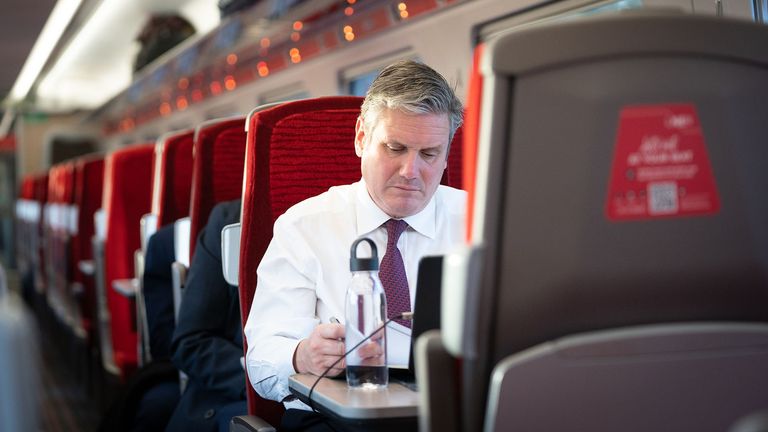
27,213
218,171
38,268
219,149
89,181
58,231
617,274
173,176
171,180
295,150
127,196
453,174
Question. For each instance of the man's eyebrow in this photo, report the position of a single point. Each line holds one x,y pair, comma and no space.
398,143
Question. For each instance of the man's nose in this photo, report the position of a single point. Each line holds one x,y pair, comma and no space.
409,168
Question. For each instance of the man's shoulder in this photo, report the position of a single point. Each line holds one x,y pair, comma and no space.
163,237
331,201
452,197
226,212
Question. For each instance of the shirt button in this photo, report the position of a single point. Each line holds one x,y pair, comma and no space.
208,414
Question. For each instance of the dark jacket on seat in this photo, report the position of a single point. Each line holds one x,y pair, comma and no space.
208,342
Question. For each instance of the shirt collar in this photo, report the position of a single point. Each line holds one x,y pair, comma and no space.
370,216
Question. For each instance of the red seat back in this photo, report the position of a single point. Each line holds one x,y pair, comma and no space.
217,174
173,177
295,150
26,215
27,187
89,181
127,196
58,230
453,173
41,196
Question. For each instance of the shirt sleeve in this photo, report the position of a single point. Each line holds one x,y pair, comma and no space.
283,310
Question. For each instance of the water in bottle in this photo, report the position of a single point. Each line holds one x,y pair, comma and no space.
366,312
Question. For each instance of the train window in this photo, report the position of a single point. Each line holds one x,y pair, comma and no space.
222,111
356,79
359,85
282,94
63,147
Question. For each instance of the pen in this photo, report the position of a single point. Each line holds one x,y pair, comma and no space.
335,320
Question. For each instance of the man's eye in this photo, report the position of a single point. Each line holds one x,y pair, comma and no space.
429,153
396,149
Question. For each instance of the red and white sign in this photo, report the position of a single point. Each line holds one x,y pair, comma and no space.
660,165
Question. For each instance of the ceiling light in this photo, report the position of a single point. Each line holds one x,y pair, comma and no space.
54,27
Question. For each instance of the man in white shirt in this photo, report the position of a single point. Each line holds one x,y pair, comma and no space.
402,136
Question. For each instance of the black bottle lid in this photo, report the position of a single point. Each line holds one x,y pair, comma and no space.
363,264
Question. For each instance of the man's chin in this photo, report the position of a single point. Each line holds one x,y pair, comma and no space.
404,208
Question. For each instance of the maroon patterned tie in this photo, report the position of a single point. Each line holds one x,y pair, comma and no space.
392,273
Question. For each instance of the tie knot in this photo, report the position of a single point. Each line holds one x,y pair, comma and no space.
395,227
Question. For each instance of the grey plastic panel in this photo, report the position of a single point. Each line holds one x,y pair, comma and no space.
230,253
702,378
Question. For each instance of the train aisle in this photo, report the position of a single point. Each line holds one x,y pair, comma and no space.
64,404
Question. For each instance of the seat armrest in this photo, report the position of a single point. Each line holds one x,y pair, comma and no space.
148,226
181,239
178,280
230,253
86,267
126,287
438,389
248,423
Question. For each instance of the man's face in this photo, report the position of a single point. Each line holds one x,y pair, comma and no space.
402,159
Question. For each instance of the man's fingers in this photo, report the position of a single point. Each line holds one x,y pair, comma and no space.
371,349
328,361
331,348
331,331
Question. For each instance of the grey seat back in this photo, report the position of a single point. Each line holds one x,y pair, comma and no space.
561,250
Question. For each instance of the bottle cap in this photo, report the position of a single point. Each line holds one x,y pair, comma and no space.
363,264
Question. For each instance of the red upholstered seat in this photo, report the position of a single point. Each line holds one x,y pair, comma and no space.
24,216
58,230
41,197
89,181
127,196
453,173
27,187
217,173
170,199
295,150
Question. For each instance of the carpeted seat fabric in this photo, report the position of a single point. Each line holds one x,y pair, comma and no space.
89,182
127,196
219,149
171,197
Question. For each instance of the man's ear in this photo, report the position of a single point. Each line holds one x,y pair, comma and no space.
359,137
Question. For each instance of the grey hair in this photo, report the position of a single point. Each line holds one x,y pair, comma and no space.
414,88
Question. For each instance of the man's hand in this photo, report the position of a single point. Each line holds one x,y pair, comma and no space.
320,350
371,353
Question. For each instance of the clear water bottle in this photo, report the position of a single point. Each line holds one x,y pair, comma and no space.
366,312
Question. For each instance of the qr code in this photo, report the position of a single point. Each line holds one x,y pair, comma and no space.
662,198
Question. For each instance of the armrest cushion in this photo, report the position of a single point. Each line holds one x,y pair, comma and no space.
230,253
248,423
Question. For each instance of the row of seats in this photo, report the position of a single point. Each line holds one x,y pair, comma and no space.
290,152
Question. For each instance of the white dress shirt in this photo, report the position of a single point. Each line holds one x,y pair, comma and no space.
303,277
